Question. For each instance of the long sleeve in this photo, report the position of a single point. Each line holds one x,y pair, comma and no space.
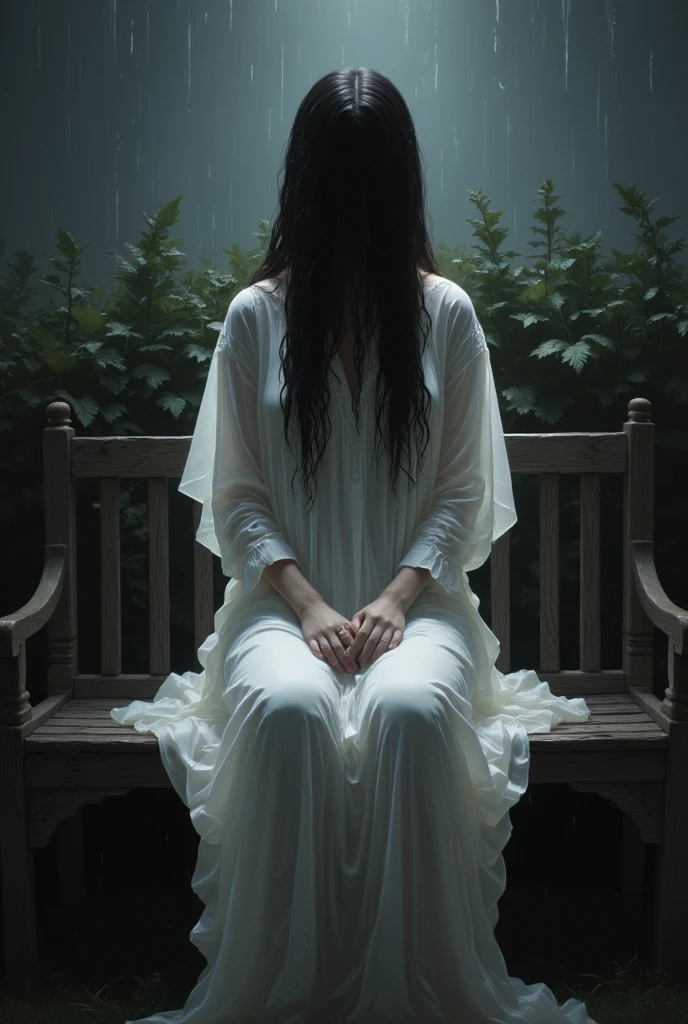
223,469
472,499
248,534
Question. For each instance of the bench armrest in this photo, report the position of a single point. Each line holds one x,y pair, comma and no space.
16,627
667,616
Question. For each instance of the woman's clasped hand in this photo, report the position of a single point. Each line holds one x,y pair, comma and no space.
350,644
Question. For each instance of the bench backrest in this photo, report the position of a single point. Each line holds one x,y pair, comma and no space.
629,452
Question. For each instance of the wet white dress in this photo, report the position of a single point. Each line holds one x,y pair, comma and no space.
351,826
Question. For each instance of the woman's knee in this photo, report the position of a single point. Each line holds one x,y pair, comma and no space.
287,679
403,697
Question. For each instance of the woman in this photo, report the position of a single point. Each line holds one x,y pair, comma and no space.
349,754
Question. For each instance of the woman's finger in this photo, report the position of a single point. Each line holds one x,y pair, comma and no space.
371,645
383,645
340,644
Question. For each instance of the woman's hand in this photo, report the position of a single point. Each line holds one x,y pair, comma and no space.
329,636
377,628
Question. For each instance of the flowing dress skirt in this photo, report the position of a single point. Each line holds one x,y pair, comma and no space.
352,826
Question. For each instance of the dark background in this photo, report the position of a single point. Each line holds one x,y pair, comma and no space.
111,108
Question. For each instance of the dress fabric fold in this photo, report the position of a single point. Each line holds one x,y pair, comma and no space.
351,827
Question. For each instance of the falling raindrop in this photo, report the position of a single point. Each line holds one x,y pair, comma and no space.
282,93
566,14
437,63
117,185
231,12
269,123
114,21
611,22
39,46
252,74
188,101
485,139
456,146
650,70
131,37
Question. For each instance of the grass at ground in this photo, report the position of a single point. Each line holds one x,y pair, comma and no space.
632,994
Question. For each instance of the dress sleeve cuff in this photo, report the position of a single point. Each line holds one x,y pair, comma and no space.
262,554
426,556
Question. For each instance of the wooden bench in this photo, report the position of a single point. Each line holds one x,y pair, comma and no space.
66,751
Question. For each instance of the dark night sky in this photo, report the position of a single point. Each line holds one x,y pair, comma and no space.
112,107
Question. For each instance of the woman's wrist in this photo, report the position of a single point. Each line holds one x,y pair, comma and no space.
409,582
288,580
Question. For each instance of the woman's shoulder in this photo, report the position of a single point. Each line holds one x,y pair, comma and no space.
435,284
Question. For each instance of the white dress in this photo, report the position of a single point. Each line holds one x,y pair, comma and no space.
351,826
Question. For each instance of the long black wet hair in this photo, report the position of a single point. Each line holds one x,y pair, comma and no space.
351,232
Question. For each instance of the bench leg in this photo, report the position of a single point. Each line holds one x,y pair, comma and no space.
633,870
16,866
70,855
670,931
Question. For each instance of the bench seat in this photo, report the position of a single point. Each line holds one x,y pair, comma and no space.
616,722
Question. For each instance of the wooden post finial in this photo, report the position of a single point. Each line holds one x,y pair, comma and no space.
640,410
58,414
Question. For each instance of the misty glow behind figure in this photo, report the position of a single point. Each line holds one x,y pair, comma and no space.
351,827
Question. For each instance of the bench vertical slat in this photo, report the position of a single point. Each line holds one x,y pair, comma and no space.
549,572
500,588
590,572
203,586
110,595
638,524
159,575
59,496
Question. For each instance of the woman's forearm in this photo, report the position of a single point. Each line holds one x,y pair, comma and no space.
407,585
288,580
